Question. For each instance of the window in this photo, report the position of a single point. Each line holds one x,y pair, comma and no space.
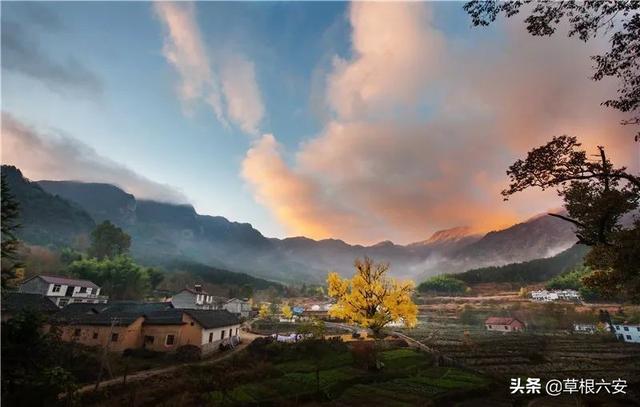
148,339
210,337
490,326
114,337
222,334
236,331
56,288
82,290
95,335
77,332
626,328
63,302
506,328
171,339
629,337
230,332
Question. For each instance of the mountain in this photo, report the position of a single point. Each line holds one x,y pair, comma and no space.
46,219
162,232
527,272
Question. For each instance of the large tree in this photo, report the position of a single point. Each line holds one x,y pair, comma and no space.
10,243
618,19
370,298
108,240
596,195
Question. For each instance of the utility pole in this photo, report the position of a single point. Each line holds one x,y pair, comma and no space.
103,359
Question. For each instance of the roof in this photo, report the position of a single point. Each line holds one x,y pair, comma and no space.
16,302
140,307
213,318
106,318
65,281
164,317
73,311
193,291
501,320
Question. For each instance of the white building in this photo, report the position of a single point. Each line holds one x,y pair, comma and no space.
63,290
589,328
196,298
555,295
627,332
238,306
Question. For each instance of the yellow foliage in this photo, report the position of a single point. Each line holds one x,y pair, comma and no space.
371,299
265,311
286,311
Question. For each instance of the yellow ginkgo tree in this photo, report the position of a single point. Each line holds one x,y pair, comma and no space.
370,298
265,311
287,313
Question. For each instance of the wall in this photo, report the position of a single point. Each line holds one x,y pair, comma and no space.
160,333
184,299
36,286
129,337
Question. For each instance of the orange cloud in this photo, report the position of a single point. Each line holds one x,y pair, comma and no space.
380,169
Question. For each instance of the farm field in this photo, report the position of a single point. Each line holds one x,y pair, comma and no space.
548,351
283,376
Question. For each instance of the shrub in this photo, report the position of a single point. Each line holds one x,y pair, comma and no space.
188,353
443,284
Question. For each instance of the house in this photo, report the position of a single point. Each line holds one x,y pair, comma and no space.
150,326
196,298
627,332
501,324
63,290
14,303
555,295
238,306
586,328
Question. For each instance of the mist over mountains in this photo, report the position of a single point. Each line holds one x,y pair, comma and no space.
60,213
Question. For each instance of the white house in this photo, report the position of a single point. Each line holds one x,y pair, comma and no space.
238,306
627,332
196,298
550,296
63,290
589,328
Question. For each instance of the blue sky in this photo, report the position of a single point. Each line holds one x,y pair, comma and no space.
121,101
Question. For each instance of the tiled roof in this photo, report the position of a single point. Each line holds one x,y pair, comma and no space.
67,281
500,321
16,302
141,307
164,317
106,318
213,318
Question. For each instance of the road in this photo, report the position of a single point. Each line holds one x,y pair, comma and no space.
247,338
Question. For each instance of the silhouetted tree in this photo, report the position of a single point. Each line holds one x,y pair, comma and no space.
10,214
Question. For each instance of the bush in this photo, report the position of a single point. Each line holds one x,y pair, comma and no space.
443,284
188,353
142,353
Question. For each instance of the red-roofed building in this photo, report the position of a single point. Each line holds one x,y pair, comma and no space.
503,324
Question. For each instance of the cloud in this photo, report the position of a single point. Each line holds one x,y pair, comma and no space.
225,81
244,103
423,128
22,53
56,157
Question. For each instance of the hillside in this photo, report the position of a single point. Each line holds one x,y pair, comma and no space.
162,232
46,219
527,272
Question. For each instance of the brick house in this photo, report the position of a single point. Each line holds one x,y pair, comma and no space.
504,324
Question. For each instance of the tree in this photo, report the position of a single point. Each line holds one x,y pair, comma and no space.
586,19
443,284
9,226
155,277
265,311
371,299
286,311
596,195
108,240
120,277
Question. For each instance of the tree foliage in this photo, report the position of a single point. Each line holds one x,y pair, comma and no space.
596,195
371,299
586,20
286,311
265,311
120,277
108,240
443,284
10,243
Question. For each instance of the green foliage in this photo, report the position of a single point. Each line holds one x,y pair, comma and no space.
529,271
569,280
108,240
9,225
443,284
33,372
120,277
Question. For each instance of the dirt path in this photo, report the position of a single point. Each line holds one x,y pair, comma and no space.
247,338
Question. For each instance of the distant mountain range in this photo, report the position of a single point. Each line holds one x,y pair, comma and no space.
64,212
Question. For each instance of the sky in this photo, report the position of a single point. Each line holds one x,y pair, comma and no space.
362,121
